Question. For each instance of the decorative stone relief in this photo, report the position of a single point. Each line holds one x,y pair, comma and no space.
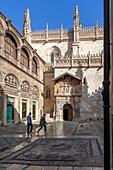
11,80
67,90
35,91
25,86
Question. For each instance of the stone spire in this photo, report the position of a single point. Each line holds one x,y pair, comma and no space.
76,17
61,31
96,30
46,32
27,26
96,23
76,24
75,49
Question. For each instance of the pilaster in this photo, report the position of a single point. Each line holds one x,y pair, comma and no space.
2,42
18,55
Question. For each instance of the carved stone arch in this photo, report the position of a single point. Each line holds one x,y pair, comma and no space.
55,48
18,43
12,80
36,59
27,49
25,86
35,65
54,53
25,57
68,112
35,91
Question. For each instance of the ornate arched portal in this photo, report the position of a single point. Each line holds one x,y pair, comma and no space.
67,112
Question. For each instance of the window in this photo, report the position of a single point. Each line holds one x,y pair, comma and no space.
55,53
47,93
10,46
52,57
34,109
34,66
24,58
24,109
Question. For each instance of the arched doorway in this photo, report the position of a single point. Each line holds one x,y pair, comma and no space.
67,112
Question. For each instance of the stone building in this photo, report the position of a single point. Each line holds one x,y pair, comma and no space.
59,72
21,76
74,69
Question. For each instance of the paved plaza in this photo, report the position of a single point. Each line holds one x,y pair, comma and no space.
67,146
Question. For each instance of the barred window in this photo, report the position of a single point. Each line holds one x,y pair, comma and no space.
24,58
34,66
10,46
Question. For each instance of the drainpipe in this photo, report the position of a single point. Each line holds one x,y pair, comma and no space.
106,85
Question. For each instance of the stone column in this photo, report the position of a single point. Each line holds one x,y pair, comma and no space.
16,111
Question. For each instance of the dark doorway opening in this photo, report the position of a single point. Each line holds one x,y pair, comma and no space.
67,112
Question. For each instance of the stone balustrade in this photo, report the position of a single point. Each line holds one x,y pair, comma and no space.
66,34
92,60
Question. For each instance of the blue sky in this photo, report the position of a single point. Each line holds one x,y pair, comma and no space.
52,12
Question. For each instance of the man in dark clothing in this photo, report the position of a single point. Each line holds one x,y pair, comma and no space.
29,124
42,124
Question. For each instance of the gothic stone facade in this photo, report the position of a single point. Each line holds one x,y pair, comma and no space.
59,72
74,69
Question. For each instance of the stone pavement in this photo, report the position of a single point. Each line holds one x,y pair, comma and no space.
67,146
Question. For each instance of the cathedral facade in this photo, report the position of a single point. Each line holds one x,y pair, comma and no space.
57,72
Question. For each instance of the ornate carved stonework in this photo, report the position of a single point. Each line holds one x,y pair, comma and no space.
10,79
25,86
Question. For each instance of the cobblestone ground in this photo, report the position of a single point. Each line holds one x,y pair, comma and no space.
67,146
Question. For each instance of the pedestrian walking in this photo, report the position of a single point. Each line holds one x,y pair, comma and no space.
42,124
29,125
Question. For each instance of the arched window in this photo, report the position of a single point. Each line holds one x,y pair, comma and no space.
34,66
55,53
10,46
47,92
24,58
